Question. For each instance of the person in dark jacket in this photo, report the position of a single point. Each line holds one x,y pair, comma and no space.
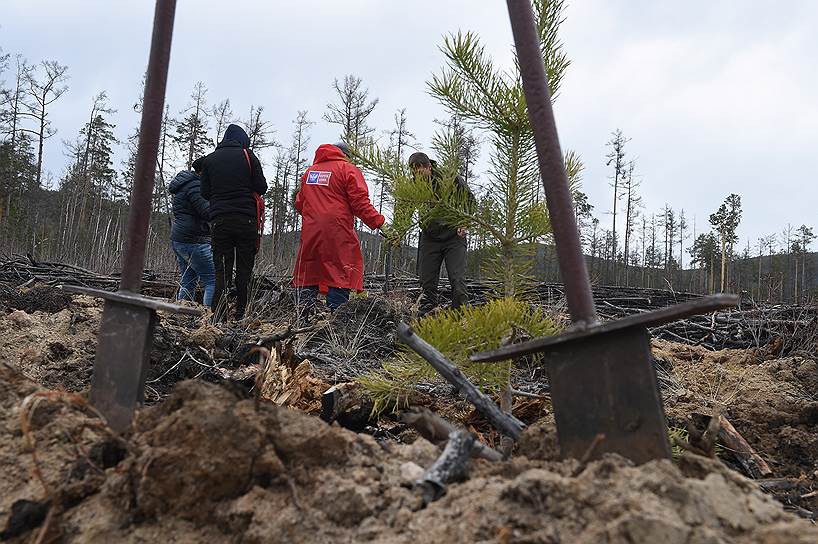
190,237
232,181
440,243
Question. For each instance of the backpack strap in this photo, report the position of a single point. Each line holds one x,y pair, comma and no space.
259,205
247,156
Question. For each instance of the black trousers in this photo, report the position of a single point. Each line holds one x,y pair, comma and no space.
431,255
234,235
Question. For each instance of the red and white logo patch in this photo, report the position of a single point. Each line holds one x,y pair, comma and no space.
318,178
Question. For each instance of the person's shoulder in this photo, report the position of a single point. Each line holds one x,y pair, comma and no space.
209,157
348,167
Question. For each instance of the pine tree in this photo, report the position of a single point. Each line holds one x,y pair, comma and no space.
512,216
725,221
805,237
191,131
44,91
704,254
491,100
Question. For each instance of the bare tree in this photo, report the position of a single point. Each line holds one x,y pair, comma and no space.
786,236
352,110
223,114
643,239
260,131
633,202
300,140
44,91
616,157
14,105
670,226
682,237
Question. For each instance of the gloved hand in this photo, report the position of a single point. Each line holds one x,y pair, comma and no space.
390,234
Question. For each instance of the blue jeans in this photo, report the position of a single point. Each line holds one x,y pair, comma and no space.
195,262
336,296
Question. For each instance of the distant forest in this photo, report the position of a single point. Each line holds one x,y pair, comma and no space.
78,215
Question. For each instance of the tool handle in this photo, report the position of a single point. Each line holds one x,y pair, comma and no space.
552,168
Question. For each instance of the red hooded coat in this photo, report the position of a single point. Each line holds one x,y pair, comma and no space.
332,191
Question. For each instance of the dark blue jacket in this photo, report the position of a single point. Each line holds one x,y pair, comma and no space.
190,210
228,181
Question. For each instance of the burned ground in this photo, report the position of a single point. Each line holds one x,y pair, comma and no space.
210,465
207,463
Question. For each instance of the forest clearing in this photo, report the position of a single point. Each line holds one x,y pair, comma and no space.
224,341
221,454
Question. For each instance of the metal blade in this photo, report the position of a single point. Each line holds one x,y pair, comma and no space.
606,384
118,382
647,319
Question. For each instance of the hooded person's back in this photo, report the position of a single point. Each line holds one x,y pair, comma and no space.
333,192
231,174
190,210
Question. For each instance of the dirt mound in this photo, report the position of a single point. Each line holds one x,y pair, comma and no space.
38,298
208,465
55,349
773,403
53,342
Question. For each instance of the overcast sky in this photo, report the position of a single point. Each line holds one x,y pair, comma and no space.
717,96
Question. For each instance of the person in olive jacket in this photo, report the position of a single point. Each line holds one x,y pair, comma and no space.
233,182
190,237
440,242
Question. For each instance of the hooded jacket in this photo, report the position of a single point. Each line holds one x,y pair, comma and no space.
190,210
228,182
435,229
333,192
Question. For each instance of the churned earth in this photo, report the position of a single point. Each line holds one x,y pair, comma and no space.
205,462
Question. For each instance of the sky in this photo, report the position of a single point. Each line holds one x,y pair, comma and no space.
717,97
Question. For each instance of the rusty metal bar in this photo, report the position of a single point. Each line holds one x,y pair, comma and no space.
552,168
150,128
128,320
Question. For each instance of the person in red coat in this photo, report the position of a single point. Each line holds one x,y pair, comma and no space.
333,192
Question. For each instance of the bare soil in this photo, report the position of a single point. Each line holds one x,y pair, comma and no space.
206,463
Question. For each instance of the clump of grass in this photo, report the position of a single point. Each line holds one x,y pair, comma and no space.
676,434
457,334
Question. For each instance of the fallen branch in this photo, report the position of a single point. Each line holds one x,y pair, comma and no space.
348,404
583,462
290,331
505,423
452,465
755,466
437,430
772,485
527,395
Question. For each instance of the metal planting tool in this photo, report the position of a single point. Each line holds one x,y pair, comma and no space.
128,319
603,385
